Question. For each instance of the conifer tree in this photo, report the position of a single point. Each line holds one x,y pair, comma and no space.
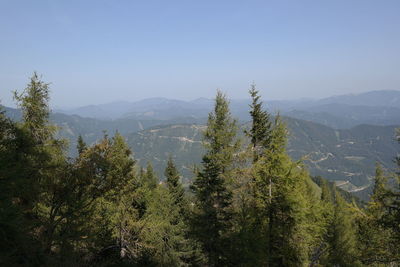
36,172
261,126
390,199
287,204
174,185
33,102
15,237
150,178
81,145
343,245
374,238
211,187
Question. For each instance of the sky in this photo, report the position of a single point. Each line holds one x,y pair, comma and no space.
98,51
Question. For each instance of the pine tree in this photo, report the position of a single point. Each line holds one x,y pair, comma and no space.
261,126
81,145
288,206
106,176
343,245
150,178
389,198
15,237
35,172
174,185
33,102
374,238
211,187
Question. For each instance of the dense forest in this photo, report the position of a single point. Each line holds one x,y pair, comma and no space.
249,204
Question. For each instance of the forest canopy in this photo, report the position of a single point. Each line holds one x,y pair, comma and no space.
249,203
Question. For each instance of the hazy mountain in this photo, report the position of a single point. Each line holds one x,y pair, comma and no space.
345,111
387,98
341,116
71,126
345,156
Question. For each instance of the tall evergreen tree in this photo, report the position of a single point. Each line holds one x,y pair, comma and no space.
374,238
390,219
150,177
343,245
174,185
34,171
212,185
261,126
33,102
81,145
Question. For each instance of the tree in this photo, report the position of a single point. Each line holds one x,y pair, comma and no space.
343,245
212,221
261,125
81,146
150,177
389,198
33,102
33,161
374,238
289,208
174,185
16,241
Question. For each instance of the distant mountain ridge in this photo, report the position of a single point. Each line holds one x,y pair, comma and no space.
388,98
344,111
347,156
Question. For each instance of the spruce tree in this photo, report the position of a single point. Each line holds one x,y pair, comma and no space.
374,238
36,172
212,221
343,244
288,206
174,185
261,125
150,177
16,242
81,145
33,102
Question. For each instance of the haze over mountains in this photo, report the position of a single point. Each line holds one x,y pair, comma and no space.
345,111
339,138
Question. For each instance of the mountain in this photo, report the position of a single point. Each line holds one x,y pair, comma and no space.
339,112
345,156
342,116
151,108
71,126
388,98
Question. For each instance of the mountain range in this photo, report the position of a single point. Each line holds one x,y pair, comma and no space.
340,138
340,112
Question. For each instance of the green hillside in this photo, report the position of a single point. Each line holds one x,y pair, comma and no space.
345,156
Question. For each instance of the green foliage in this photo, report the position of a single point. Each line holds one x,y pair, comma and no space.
287,204
81,145
261,126
255,207
211,187
33,102
342,238
175,187
150,178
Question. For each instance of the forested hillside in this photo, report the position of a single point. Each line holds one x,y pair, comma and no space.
347,156
249,203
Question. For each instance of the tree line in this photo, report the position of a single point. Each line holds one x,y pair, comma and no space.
248,205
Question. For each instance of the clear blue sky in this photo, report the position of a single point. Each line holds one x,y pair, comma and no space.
100,51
